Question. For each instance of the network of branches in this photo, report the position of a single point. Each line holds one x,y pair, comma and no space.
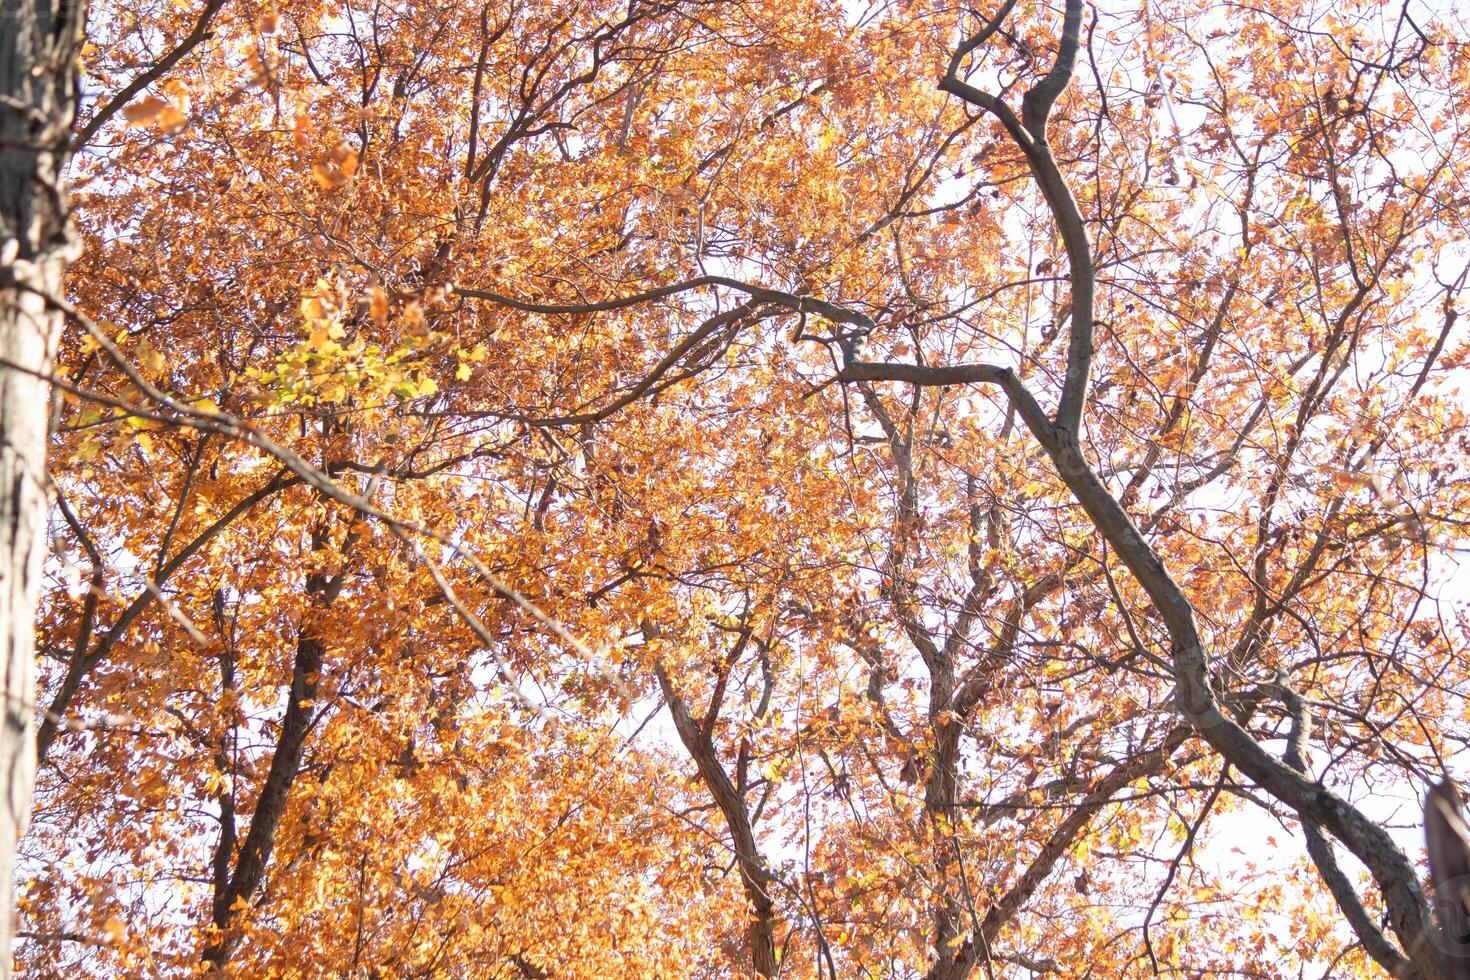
705,488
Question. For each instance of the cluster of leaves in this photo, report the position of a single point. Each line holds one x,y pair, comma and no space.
722,657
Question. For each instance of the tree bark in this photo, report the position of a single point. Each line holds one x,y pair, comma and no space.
761,930
296,724
39,40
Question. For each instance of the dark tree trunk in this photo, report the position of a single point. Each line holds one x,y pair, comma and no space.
296,724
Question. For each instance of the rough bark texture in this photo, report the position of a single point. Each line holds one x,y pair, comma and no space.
38,45
1448,840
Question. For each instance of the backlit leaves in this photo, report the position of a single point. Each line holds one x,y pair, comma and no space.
685,487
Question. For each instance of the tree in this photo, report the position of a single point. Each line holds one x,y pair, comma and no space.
702,487
38,45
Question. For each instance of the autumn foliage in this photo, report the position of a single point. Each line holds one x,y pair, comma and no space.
667,488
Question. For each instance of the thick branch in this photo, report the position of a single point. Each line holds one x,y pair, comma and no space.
270,807
1391,869
1320,850
918,374
762,294
1448,840
1037,103
753,874
1029,134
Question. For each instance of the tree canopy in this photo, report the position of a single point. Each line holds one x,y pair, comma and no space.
566,488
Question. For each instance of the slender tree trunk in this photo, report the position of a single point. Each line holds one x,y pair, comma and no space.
760,931
296,725
38,86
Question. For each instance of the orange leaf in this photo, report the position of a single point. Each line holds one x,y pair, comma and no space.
145,111
336,167
379,306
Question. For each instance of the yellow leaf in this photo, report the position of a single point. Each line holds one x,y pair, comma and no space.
149,359
464,372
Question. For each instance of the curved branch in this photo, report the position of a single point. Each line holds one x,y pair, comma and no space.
709,327
1394,874
1370,843
83,663
198,35
761,294
753,874
1029,135
1036,104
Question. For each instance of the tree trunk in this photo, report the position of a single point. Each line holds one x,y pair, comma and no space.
38,83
